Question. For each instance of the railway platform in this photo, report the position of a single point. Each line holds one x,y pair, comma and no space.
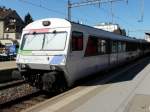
6,68
130,92
4,65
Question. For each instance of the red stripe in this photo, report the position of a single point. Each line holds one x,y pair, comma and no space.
39,30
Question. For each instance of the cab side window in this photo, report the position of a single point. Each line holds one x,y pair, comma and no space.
77,41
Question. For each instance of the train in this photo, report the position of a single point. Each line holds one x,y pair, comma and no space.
54,52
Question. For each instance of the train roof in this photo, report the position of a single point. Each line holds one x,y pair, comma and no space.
60,23
54,23
107,34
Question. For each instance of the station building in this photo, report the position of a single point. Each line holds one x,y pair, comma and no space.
115,28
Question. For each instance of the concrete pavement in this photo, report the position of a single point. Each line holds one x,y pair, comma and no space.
125,96
7,65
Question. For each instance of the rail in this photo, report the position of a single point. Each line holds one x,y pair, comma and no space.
11,84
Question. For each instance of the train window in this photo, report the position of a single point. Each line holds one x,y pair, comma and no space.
131,46
108,47
101,46
95,46
114,47
77,41
91,48
121,46
128,48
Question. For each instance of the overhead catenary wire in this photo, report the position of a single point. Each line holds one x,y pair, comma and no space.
126,22
48,9
111,1
41,6
87,2
64,14
59,12
130,32
45,8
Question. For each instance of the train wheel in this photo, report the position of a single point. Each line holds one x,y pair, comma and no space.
54,82
60,85
48,79
16,75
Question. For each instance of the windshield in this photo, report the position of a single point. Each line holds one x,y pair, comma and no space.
44,41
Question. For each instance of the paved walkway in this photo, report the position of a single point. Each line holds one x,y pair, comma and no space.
125,96
7,65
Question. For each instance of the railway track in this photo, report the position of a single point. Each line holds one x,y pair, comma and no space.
18,95
14,90
24,102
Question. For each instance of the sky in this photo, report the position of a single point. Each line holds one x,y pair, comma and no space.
126,14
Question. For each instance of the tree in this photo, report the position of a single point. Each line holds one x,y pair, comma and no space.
28,19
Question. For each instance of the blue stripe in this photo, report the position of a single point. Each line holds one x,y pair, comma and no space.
57,60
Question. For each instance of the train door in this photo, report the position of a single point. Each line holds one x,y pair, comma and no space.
121,52
113,53
103,55
75,55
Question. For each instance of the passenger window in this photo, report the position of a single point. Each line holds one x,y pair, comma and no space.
120,47
131,46
123,46
91,48
114,47
101,46
95,46
77,41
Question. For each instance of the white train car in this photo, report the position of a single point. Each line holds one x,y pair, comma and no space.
54,52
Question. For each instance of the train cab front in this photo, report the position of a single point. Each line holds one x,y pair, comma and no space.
42,57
